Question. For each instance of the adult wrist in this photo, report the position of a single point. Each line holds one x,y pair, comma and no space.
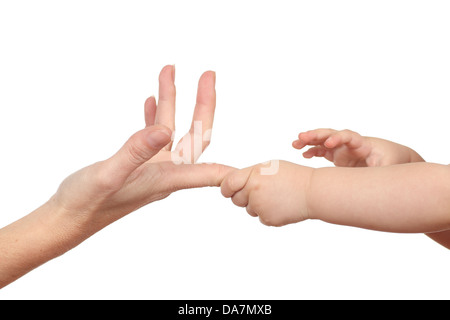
69,227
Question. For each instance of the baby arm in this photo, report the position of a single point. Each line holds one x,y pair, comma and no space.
400,198
349,149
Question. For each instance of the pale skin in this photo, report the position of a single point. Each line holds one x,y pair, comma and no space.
376,184
141,172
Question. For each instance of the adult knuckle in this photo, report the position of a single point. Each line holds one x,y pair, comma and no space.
136,153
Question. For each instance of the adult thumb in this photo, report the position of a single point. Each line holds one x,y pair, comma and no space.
139,148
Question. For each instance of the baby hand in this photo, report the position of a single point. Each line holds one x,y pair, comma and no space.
344,148
277,199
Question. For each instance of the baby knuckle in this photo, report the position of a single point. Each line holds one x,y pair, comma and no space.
349,132
239,201
272,220
345,131
233,183
250,211
268,220
264,220
277,223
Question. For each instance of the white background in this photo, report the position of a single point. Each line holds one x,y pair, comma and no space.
73,79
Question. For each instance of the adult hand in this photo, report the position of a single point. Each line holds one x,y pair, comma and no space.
146,169
142,171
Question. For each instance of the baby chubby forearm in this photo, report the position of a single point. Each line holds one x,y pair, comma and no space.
411,197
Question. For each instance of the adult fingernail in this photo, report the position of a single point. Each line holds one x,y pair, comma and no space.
159,138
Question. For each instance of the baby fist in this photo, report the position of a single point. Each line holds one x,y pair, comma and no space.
277,199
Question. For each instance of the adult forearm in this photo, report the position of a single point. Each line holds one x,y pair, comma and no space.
400,198
42,235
